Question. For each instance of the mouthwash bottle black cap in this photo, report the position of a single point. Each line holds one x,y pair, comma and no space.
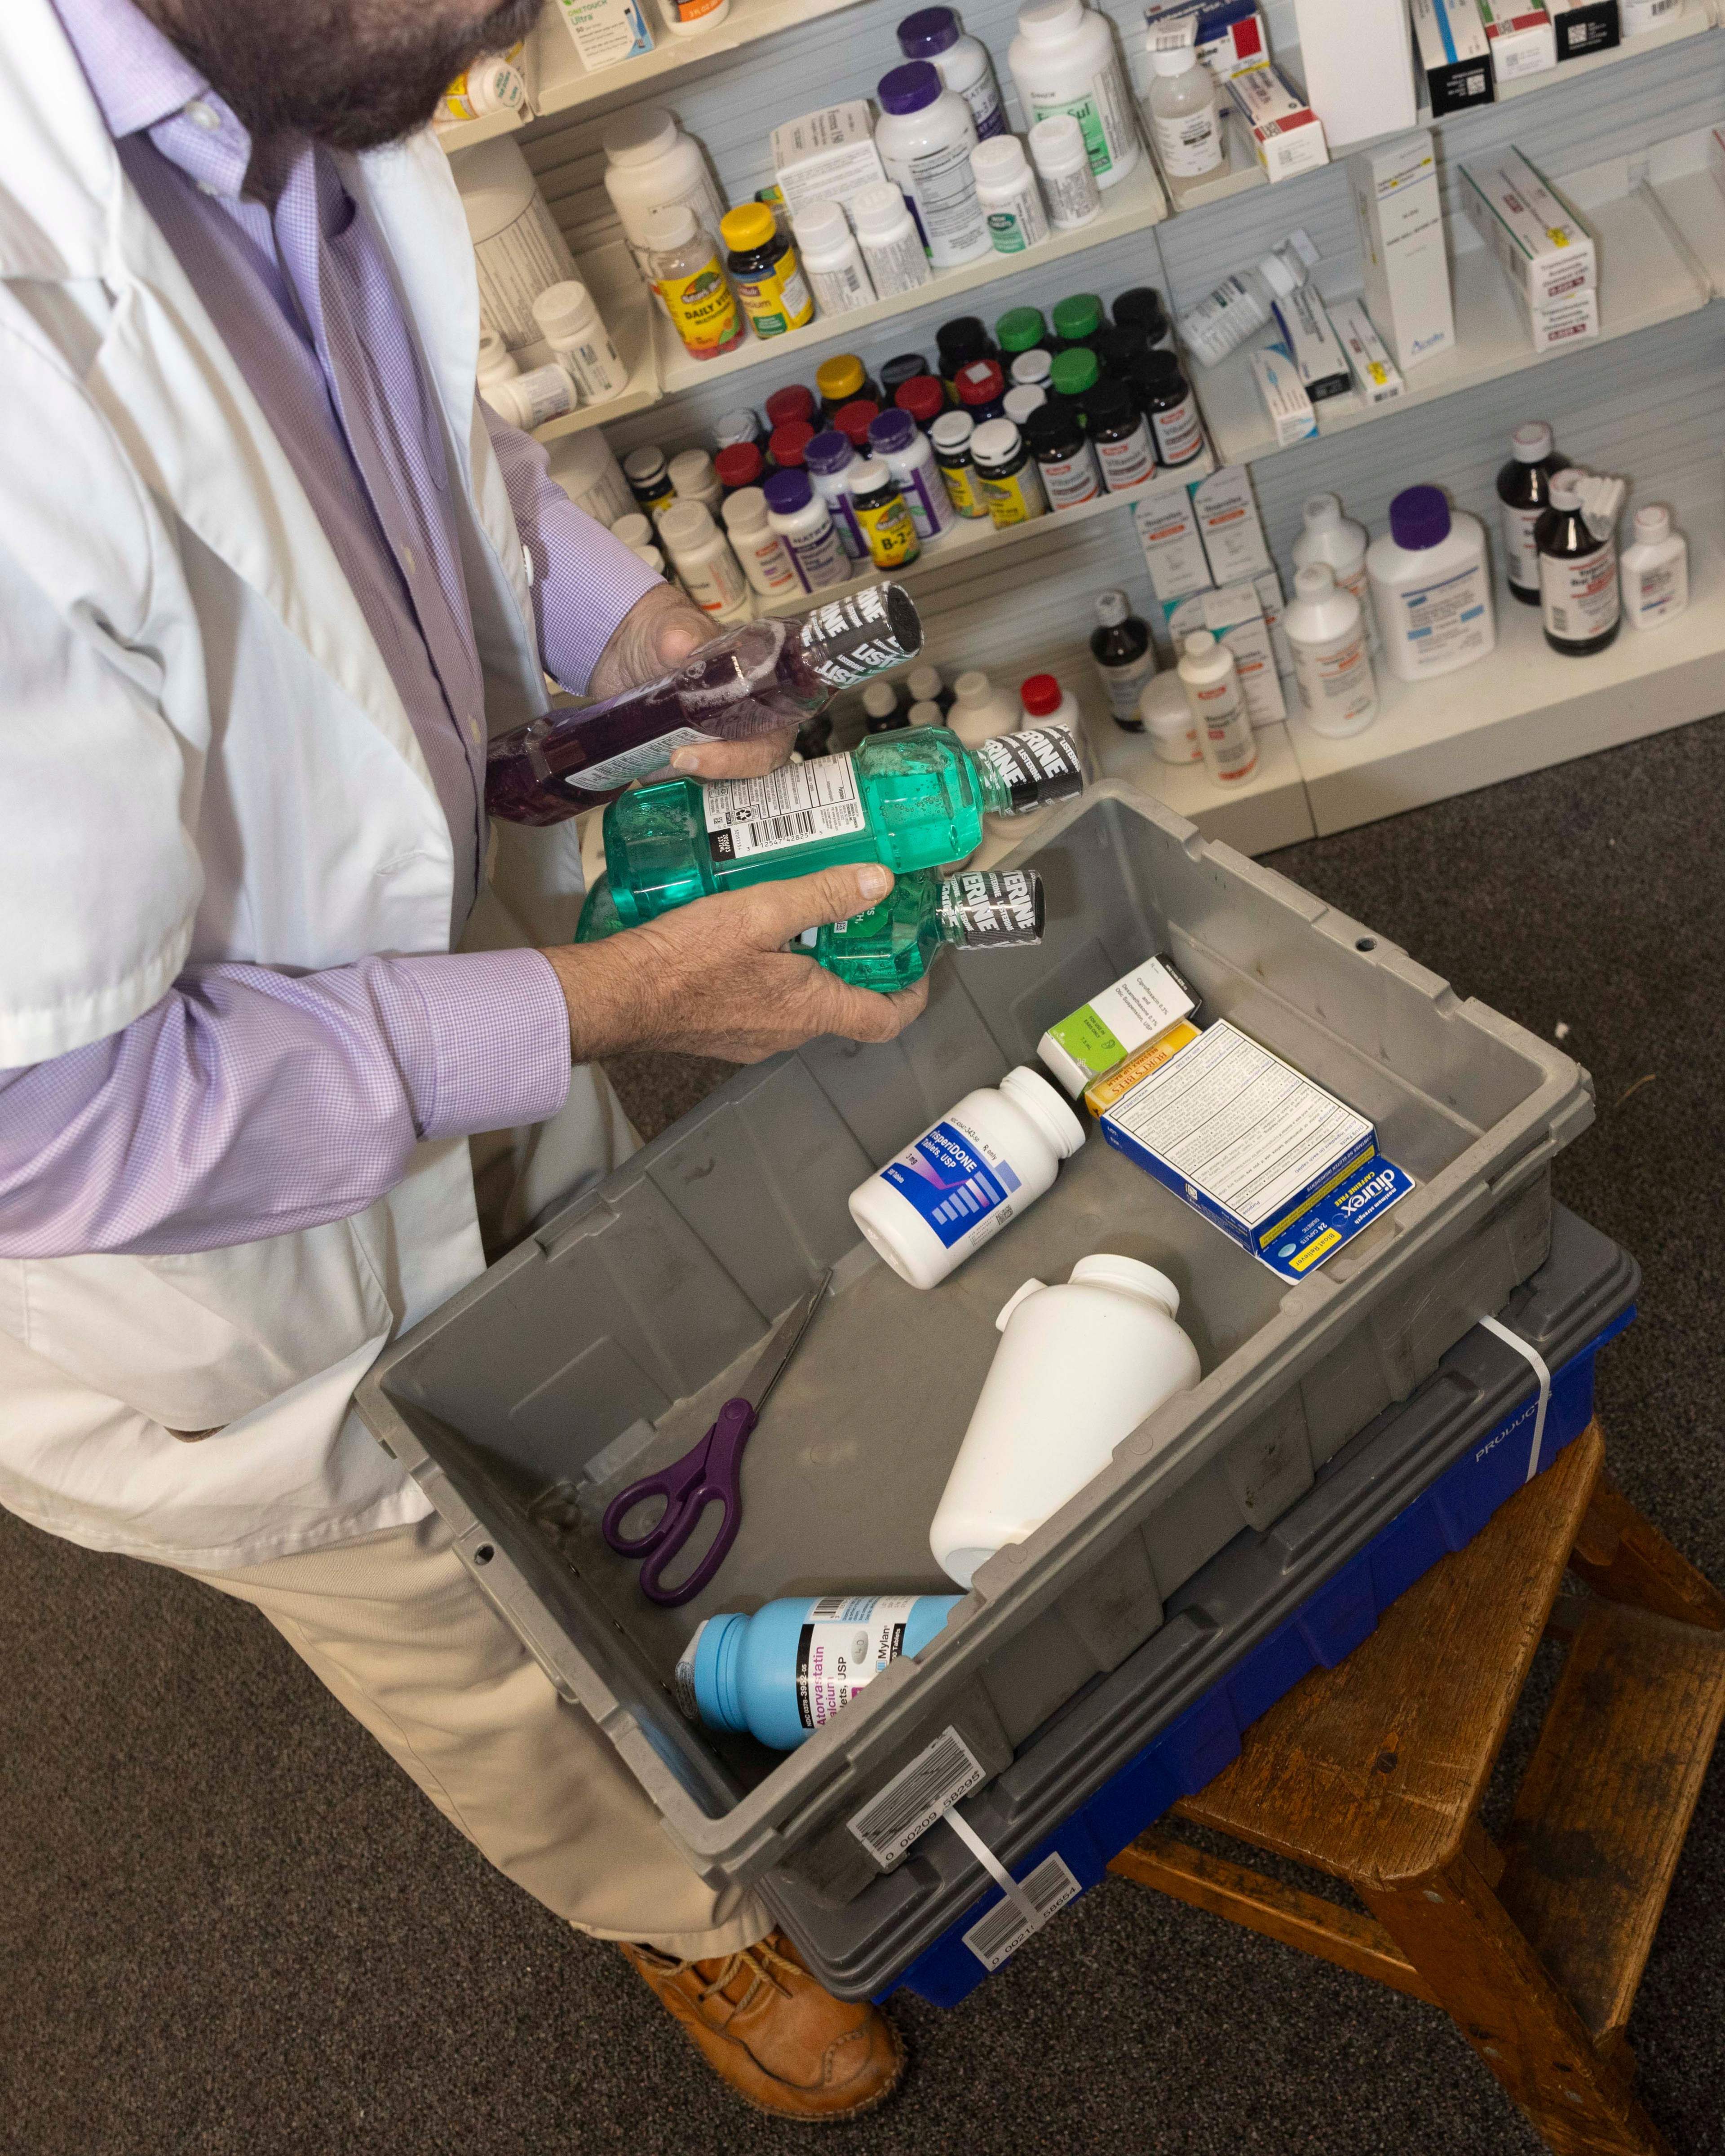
1040,765
965,337
852,639
992,909
1142,307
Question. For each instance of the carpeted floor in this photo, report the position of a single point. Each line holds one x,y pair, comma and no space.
230,1928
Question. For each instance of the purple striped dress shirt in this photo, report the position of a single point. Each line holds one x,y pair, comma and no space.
247,1103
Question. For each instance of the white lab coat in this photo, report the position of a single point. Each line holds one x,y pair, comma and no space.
202,757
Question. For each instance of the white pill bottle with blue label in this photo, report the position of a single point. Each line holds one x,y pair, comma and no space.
958,1185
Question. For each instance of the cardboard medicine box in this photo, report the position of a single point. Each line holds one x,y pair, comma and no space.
1523,41
1584,27
1227,35
1100,1035
1454,53
1280,1167
1311,343
606,32
1547,252
1374,373
1286,404
1400,215
828,156
1287,133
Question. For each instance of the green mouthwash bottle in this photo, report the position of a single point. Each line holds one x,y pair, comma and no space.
913,799
892,945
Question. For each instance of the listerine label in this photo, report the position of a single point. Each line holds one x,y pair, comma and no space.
795,805
632,763
958,1182
1040,764
846,1641
993,908
851,639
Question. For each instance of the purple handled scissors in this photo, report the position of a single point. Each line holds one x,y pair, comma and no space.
711,1474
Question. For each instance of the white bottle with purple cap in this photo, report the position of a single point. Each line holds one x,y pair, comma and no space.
796,513
828,460
903,448
925,138
935,34
1431,587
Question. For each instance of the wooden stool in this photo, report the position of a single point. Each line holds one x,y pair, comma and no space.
1373,1771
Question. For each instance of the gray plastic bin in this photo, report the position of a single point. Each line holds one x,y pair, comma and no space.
604,1344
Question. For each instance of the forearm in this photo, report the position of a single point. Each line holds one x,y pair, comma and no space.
248,1103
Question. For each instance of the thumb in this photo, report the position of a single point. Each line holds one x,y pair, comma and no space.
677,633
777,911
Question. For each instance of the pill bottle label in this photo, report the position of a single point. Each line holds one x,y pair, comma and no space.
961,485
598,371
1445,622
1013,497
1580,598
957,1182
837,292
1126,463
1334,685
1179,434
1102,117
1072,196
1661,591
702,309
940,192
514,266
1123,686
1520,554
845,1641
549,392
820,559
1006,229
890,531
896,265
632,763
716,584
773,570
777,300
1228,733
788,807
921,486
984,102
1069,480
1189,144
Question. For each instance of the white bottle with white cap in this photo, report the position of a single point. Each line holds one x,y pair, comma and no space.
765,562
1064,60
693,479
891,245
1325,627
1211,682
1078,1368
701,556
1184,121
1167,721
1655,568
981,711
633,529
585,468
527,400
516,244
650,164
832,261
571,325
1239,306
1010,198
1328,535
1063,165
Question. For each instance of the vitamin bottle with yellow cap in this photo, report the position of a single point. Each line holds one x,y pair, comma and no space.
764,271
839,380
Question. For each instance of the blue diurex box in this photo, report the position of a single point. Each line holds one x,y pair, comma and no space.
1282,1167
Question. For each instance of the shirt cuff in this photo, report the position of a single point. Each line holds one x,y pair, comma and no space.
482,1039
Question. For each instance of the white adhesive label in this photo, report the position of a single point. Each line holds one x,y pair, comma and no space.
790,806
1579,599
1521,556
514,266
1335,680
845,1642
1105,117
1072,198
1662,591
1190,145
634,763
1445,622
549,392
940,190
911,1802
1048,1889
1228,748
1123,686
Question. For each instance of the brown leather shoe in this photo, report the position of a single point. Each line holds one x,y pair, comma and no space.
764,2025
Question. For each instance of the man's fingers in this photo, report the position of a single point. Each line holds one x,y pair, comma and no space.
741,759
676,633
777,911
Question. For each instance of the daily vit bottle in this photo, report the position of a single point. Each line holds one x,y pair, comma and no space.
1121,652
1332,665
754,678
925,138
986,1161
1431,587
764,271
1064,61
787,1671
1580,601
1524,489
1327,536
1655,570
933,34
1184,122
1211,681
913,798
894,944
683,267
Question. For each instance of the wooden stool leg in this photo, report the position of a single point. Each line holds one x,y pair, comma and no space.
1623,1557
1456,1933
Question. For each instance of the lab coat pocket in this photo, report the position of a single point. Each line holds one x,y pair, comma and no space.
195,1341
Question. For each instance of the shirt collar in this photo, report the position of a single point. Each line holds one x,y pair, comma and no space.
136,75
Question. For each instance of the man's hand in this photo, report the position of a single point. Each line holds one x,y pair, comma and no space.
713,979
655,638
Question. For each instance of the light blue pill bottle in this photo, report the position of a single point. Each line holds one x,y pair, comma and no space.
787,1671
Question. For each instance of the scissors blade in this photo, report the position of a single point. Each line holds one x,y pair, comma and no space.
780,1348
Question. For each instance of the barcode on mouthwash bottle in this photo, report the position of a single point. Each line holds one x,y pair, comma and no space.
785,808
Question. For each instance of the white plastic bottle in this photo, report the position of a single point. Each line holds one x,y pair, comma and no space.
1011,200
1069,182
1239,305
891,245
945,1195
1063,60
1328,535
1431,587
651,164
832,261
1078,1368
765,561
1326,631
585,468
701,556
802,519
652,556
904,449
1655,570
1046,701
1017,404
924,713
1184,120
981,711
693,479
925,136
633,529
934,34
1167,721
1211,681
571,325
516,244
527,400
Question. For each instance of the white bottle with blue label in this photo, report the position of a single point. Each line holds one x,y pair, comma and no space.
958,1185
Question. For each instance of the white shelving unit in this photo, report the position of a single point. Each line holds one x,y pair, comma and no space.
564,85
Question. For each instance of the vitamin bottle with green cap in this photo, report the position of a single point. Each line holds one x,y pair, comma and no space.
1019,329
764,271
1077,320
1073,372
913,798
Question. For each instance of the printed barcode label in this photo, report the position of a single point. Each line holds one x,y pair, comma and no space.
785,808
829,1605
992,1938
916,1797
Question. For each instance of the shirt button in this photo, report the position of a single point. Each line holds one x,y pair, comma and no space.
408,562
203,115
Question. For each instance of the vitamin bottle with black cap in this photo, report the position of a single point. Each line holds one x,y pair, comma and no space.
1064,456
964,338
1142,308
1164,396
1120,434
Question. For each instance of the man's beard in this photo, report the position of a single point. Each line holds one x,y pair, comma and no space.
325,69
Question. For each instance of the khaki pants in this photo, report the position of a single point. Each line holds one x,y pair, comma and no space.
394,1626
